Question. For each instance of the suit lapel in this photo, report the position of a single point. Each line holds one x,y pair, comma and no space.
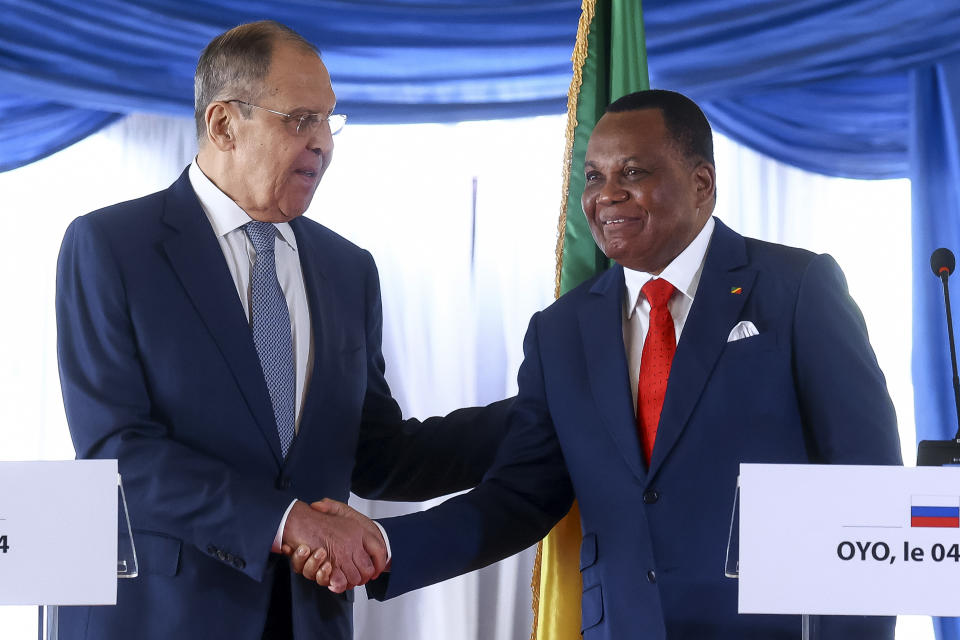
197,259
601,329
321,308
714,312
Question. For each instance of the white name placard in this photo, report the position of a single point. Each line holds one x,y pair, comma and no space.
858,540
58,532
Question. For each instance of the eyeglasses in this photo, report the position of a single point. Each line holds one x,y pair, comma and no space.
305,124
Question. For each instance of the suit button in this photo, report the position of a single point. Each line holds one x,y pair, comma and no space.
239,563
221,555
649,497
651,576
283,483
212,550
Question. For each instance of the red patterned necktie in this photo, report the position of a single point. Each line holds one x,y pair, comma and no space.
658,350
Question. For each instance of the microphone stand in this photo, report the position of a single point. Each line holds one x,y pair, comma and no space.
944,274
936,453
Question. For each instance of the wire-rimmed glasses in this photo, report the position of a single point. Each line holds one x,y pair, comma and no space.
305,124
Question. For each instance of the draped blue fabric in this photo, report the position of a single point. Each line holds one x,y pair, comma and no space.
390,60
32,129
819,84
854,88
935,184
935,176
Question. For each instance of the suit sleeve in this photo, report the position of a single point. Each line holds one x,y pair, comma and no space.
175,490
526,492
841,389
410,459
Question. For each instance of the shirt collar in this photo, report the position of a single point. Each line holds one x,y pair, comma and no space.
224,214
683,272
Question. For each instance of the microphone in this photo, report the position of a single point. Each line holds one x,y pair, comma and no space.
935,453
942,262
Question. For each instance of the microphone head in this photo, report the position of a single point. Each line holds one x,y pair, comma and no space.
942,261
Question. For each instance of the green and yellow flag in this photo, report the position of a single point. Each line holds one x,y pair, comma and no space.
609,61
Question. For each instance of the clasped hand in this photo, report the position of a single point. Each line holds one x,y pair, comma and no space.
333,544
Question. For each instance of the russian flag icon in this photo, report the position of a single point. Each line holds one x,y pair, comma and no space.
935,511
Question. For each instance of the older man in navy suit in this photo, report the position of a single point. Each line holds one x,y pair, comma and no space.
227,352
642,391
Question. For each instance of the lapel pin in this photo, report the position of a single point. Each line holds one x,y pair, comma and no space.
736,290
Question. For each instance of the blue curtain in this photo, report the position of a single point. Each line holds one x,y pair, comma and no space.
819,84
935,184
67,68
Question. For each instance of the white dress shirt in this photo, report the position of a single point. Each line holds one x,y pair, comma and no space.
684,274
227,219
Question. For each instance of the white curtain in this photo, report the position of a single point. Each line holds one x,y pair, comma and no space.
864,224
37,202
462,221
458,290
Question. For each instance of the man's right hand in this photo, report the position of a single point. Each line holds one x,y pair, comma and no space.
352,550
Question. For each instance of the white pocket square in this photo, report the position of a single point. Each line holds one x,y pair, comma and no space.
743,330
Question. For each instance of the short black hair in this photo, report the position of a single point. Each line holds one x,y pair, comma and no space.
683,118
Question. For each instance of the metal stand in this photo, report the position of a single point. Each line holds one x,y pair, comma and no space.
48,626
808,623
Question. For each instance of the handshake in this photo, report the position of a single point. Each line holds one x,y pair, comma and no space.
333,544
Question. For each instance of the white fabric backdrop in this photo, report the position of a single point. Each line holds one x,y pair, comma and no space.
457,294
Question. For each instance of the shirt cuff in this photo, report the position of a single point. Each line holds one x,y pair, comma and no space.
278,540
386,540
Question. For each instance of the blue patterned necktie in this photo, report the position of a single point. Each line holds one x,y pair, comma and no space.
270,324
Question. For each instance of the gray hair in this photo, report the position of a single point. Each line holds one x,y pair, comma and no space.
235,63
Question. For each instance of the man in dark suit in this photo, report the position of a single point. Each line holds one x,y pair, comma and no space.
228,353
642,391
